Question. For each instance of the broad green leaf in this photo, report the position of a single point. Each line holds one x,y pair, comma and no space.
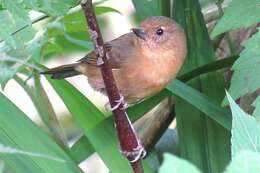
14,60
8,25
245,130
172,164
18,131
145,8
18,11
57,7
201,102
240,13
193,125
245,162
76,22
247,69
35,45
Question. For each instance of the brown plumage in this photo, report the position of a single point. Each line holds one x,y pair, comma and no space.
143,61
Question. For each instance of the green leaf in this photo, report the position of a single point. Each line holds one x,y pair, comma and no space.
6,73
14,129
57,7
81,150
240,13
247,69
34,46
17,9
145,8
8,25
201,102
103,9
245,162
245,130
193,126
256,112
172,164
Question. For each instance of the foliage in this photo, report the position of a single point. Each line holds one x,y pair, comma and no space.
203,125
245,147
239,14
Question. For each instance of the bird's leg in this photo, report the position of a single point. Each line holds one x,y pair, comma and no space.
135,155
120,101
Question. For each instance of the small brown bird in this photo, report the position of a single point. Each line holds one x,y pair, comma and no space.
143,61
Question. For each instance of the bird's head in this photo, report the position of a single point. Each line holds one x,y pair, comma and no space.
160,34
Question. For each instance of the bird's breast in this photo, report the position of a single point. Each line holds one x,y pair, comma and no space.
146,77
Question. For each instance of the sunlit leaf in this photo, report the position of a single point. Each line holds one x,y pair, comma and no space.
256,112
240,13
245,162
18,10
247,69
57,7
245,130
19,132
172,164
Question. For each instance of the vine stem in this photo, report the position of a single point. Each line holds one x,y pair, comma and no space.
130,144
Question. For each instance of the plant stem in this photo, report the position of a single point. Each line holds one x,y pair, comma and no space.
129,142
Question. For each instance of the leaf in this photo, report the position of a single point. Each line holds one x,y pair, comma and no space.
172,164
8,25
14,60
17,9
245,130
245,162
57,7
145,8
14,129
256,112
76,22
6,73
82,148
205,134
239,13
247,69
35,45
201,102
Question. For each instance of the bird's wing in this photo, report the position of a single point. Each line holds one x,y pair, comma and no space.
118,51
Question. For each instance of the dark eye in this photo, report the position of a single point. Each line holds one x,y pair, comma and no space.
159,31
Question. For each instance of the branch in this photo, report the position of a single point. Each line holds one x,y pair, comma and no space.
129,142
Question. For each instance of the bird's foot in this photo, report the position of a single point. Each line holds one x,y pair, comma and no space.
136,154
120,101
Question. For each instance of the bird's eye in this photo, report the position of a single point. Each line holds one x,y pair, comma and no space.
159,31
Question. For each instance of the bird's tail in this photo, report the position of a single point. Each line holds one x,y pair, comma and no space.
63,71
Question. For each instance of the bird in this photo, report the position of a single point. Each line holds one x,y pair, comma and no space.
143,61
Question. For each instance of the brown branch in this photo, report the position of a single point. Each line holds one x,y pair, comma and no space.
129,142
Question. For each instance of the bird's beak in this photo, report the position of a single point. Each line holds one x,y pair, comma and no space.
139,33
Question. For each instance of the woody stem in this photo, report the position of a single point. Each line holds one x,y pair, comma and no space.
129,142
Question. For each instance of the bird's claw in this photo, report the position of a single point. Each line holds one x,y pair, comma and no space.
119,102
138,153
